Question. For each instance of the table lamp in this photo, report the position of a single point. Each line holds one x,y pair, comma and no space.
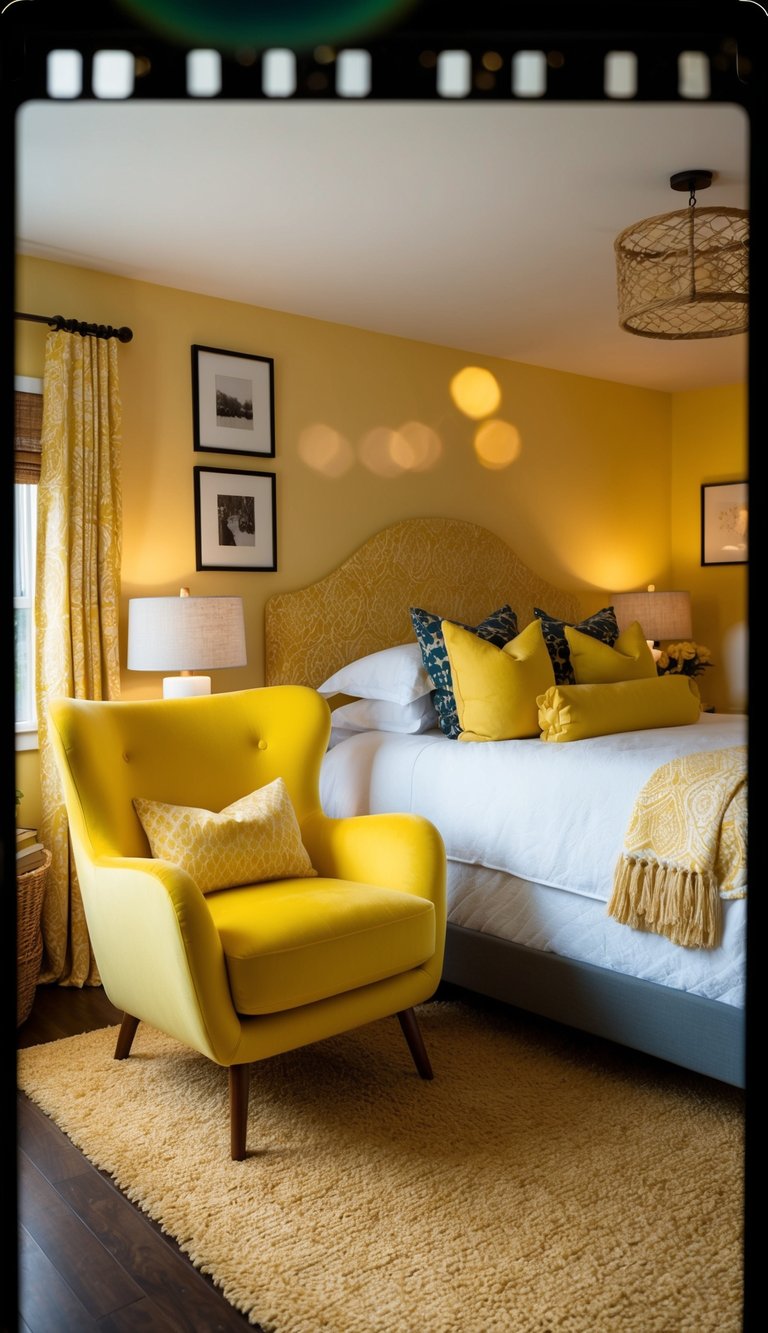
662,615
185,634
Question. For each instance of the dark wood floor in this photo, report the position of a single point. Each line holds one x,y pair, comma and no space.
88,1258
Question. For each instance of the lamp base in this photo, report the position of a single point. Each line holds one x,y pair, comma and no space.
185,687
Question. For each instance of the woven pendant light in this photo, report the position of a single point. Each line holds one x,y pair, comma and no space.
684,274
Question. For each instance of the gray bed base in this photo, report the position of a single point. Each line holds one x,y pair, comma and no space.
688,1030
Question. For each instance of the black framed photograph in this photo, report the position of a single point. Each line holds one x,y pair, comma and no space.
233,397
235,519
725,523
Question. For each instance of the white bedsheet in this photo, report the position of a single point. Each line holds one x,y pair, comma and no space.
580,928
553,817
554,814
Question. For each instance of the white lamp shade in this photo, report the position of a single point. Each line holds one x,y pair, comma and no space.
185,633
662,615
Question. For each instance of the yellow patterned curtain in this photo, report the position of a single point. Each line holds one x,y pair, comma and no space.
79,538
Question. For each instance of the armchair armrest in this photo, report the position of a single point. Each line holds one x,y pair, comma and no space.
398,851
160,956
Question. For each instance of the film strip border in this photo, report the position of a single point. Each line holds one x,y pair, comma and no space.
686,66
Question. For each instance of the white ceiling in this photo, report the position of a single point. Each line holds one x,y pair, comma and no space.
485,227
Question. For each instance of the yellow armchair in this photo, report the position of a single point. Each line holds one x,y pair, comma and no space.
244,972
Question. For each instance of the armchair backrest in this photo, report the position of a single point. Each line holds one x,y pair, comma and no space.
205,751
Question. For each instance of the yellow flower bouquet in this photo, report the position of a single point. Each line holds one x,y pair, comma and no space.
685,658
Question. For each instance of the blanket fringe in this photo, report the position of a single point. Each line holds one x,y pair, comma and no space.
682,904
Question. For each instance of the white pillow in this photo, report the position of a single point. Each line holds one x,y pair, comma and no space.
395,675
381,715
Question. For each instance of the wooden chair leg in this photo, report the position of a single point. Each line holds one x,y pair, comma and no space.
239,1079
412,1033
125,1036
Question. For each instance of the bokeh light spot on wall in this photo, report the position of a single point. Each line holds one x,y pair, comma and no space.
378,451
416,447
324,450
497,443
475,392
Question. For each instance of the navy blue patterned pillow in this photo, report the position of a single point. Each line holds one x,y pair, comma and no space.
498,628
603,625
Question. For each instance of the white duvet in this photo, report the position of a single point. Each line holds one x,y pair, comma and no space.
555,814
552,815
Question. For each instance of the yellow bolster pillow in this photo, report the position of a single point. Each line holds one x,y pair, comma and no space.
496,689
596,663
575,712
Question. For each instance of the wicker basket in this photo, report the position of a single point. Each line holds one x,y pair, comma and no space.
30,890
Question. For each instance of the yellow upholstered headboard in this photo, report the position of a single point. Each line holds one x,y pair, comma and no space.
445,565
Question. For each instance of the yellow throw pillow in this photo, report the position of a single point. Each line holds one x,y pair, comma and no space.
256,838
496,688
595,663
575,712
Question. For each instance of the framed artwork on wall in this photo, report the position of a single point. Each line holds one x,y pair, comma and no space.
233,401
235,519
725,523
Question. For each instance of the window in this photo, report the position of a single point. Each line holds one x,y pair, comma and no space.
28,424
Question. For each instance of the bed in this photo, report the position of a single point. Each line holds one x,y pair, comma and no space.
533,832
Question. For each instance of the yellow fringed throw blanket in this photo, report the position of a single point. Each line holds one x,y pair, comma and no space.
685,848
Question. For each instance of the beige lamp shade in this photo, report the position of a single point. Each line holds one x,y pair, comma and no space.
185,634
662,615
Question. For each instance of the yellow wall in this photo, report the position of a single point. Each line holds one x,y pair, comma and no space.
709,444
586,503
29,812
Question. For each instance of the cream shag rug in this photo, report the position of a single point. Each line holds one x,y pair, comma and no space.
540,1182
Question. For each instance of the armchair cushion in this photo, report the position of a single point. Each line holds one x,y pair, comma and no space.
255,838
290,943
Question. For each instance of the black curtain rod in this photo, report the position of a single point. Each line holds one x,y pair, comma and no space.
58,322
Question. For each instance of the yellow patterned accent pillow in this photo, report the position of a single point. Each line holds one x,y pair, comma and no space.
596,663
496,689
256,838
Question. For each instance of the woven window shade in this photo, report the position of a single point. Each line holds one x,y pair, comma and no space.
28,426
